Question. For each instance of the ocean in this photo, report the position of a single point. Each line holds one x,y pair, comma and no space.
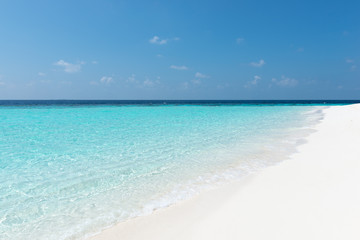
69,169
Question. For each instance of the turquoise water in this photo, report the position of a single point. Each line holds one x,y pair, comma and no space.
67,172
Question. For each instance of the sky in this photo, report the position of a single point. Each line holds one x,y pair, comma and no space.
243,49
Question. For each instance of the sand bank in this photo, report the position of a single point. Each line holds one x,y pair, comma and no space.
313,195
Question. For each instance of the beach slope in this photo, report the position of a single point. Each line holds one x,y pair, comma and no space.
313,195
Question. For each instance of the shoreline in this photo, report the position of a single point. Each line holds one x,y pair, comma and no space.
312,195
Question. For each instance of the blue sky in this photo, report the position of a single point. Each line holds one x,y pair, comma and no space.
179,49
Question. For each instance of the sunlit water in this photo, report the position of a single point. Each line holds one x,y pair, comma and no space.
67,172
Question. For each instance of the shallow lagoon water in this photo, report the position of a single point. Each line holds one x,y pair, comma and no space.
67,172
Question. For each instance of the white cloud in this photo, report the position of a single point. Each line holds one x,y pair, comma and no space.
151,83
179,67
94,62
258,64
157,40
240,40
106,80
148,83
41,74
192,83
253,82
131,78
69,67
200,75
185,85
285,81
137,82
351,61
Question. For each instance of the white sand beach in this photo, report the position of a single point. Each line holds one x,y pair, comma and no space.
313,195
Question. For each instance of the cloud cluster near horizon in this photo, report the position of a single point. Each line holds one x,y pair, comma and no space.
258,64
157,40
285,81
352,63
253,82
106,80
200,75
69,67
182,67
